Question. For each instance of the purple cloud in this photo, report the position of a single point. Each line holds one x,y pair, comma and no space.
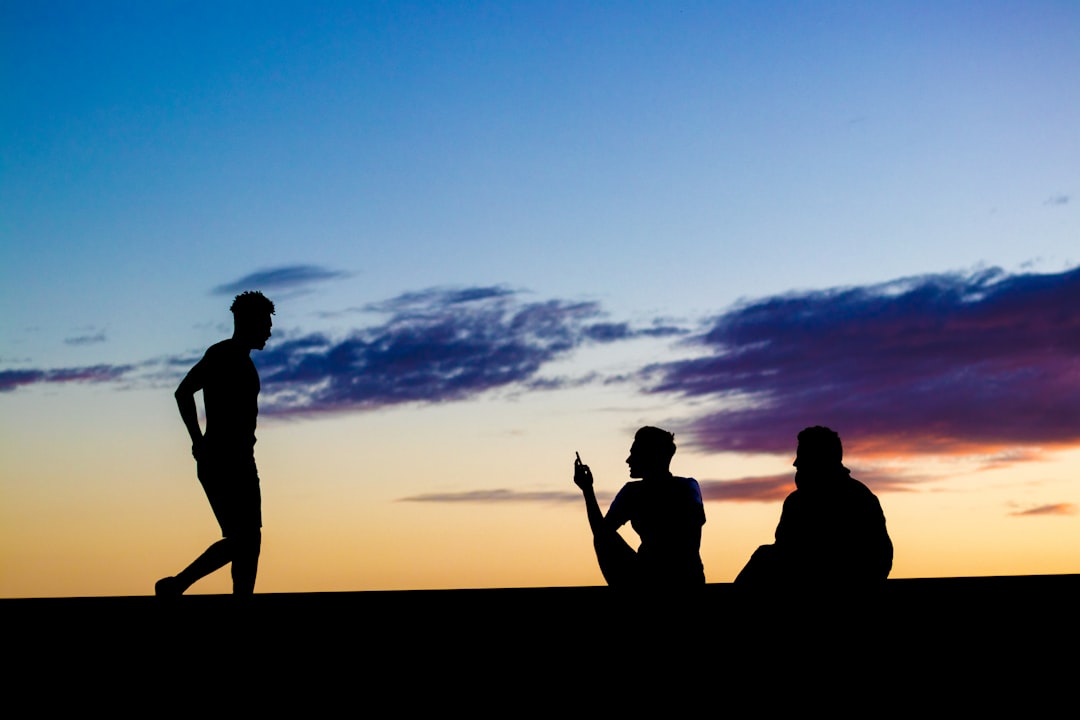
12,379
933,364
613,332
289,277
438,345
98,337
424,302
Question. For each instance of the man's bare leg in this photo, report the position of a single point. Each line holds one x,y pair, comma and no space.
245,563
618,561
214,558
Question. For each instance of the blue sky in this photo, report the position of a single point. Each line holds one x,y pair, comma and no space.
585,191
730,150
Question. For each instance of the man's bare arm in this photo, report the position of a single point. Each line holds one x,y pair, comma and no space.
584,480
189,413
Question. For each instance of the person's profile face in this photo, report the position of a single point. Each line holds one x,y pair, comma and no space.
636,461
644,462
265,323
256,330
809,461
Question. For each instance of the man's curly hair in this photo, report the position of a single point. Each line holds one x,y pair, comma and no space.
251,302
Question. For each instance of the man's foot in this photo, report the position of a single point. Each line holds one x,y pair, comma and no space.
168,587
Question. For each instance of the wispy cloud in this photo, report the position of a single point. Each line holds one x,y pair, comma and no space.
611,332
422,303
985,364
98,337
937,364
499,496
750,489
771,488
12,379
1057,200
288,277
764,489
1055,509
1009,457
437,345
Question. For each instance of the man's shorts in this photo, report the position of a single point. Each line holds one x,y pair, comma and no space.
231,483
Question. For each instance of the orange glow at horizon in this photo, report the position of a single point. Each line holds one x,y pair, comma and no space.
119,506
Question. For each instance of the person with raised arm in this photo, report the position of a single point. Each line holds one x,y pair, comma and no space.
664,510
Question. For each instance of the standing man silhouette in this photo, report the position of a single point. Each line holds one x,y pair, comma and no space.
225,453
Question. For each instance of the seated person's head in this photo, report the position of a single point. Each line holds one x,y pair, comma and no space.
819,449
651,452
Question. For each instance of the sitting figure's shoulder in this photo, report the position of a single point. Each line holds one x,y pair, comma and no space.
858,488
690,484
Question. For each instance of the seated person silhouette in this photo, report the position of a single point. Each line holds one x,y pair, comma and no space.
832,531
665,511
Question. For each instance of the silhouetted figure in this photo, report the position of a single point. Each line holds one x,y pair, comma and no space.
832,532
665,511
225,453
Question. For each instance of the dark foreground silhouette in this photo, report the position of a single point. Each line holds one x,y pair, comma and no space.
933,646
831,537
665,511
225,453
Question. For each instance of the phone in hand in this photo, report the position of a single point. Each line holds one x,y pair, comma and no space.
582,474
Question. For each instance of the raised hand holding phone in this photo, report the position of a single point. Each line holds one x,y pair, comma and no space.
582,474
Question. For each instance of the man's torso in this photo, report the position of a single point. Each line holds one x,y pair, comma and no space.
231,395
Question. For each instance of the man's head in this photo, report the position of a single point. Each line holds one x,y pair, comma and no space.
819,451
251,319
651,452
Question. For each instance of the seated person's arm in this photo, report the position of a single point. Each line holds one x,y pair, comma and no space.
597,521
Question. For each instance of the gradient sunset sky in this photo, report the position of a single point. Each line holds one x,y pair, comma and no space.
499,233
